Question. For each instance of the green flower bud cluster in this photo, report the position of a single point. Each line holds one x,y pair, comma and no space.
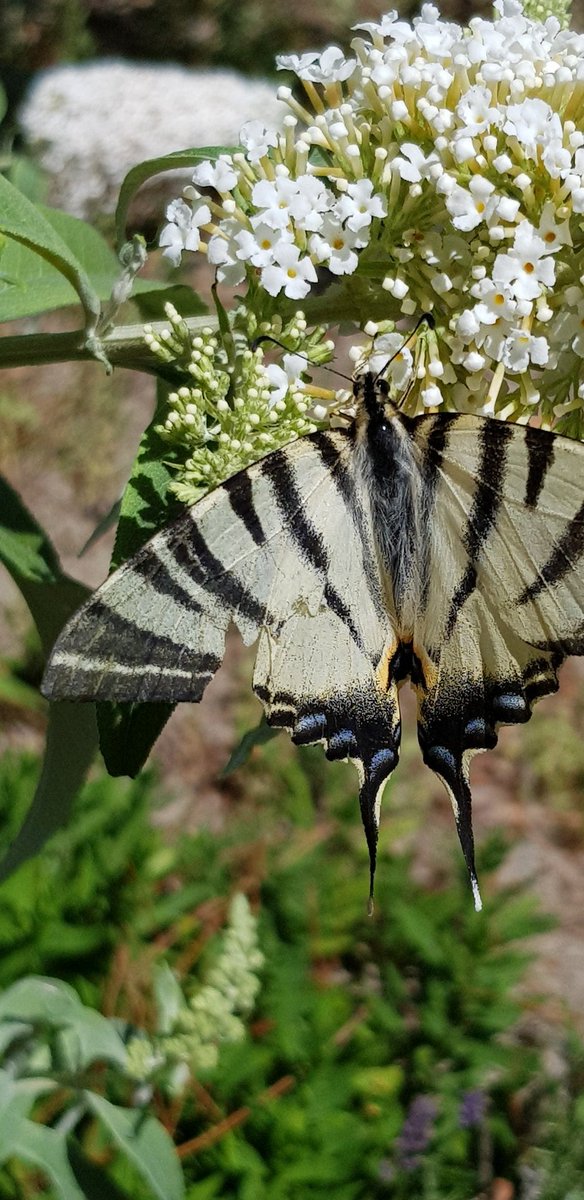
213,1015
226,416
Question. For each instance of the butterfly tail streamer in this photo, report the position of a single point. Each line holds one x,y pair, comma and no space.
453,770
373,775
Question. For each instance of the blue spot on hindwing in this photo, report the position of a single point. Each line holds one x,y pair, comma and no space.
382,763
511,706
442,760
342,744
309,728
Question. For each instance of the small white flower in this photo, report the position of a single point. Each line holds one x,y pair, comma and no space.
476,112
333,245
286,377
256,139
359,204
222,252
219,174
554,234
330,66
520,349
258,247
556,159
496,303
392,358
289,272
533,123
312,199
527,268
183,229
431,396
273,200
469,207
412,164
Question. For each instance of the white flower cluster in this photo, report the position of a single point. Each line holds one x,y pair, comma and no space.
88,123
442,164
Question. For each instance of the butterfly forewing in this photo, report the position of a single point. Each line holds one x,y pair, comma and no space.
285,550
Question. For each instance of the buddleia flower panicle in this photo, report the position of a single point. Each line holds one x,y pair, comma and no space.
225,417
436,168
214,1014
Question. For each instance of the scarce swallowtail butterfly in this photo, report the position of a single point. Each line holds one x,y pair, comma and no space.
443,549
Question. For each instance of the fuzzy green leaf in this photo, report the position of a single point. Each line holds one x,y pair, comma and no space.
24,222
52,597
47,1149
29,283
146,1144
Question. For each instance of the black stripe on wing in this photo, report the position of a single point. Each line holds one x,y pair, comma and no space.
564,556
104,655
540,456
148,565
344,482
239,491
278,469
193,555
433,441
494,437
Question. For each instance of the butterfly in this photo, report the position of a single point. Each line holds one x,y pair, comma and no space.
443,549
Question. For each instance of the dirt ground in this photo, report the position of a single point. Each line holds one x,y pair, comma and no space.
67,439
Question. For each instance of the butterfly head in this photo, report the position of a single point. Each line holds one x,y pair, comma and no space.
373,403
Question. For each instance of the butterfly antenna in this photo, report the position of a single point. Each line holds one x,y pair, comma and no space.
425,319
266,337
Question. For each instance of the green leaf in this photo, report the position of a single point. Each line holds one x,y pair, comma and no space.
127,732
168,996
70,748
150,303
87,1036
92,1180
15,1104
155,166
146,1144
39,1000
52,597
25,223
28,555
254,737
47,1150
29,283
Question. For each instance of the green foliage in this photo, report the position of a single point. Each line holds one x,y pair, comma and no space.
355,1017
63,911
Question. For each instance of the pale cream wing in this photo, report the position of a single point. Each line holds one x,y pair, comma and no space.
504,601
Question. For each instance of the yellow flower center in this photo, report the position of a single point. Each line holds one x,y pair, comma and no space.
529,268
291,273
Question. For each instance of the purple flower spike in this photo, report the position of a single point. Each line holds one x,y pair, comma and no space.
416,1133
472,1109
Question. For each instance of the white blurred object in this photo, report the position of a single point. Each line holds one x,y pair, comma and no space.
88,123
